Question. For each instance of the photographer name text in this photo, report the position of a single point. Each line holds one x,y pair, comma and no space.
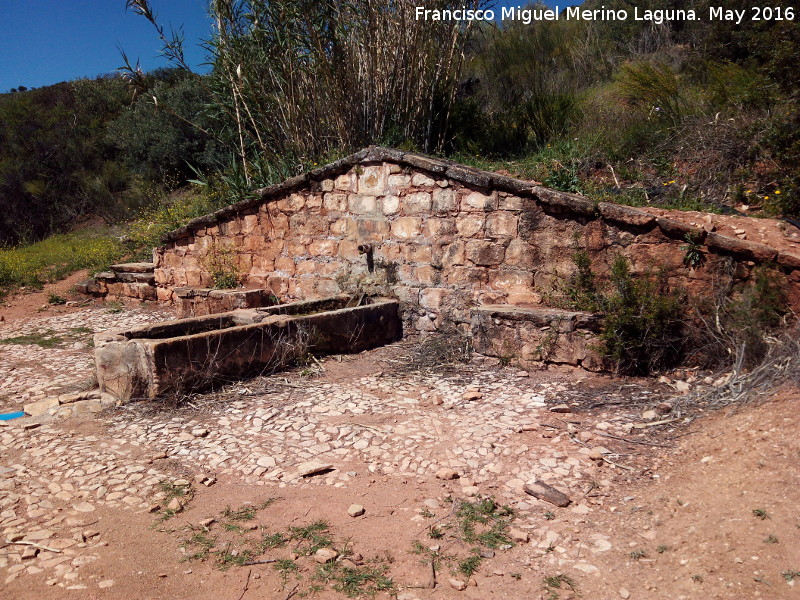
528,15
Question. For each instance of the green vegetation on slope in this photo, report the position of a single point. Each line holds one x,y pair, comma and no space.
57,256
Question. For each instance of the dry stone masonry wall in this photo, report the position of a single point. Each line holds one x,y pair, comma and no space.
440,237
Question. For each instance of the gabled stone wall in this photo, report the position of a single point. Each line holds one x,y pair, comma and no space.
440,237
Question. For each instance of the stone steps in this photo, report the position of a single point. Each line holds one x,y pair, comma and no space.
134,267
127,280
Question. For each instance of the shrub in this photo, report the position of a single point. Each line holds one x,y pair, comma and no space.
643,324
643,320
220,262
654,88
166,214
738,322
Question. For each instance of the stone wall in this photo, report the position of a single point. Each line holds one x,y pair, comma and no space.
440,237
535,336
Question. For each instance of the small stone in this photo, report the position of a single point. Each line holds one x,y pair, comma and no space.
325,555
602,545
106,584
458,584
587,568
200,432
436,400
548,493
664,408
560,408
175,505
624,594
89,534
30,552
595,454
446,474
649,415
471,396
356,510
83,507
36,409
683,387
518,535
266,461
207,522
722,380
313,467
470,491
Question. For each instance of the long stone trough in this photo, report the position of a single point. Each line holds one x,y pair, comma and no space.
171,358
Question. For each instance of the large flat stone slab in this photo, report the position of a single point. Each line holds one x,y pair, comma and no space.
134,267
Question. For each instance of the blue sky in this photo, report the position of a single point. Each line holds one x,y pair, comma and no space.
47,41
43,42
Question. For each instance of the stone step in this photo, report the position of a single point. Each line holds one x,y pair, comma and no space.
564,320
135,267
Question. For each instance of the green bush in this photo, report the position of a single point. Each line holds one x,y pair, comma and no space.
166,130
168,213
564,178
643,320
642,331
653,88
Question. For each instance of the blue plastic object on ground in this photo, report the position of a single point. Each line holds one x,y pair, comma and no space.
11,415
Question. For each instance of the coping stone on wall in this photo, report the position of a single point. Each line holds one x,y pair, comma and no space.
679,230
789,259
742,248
564,201
625,214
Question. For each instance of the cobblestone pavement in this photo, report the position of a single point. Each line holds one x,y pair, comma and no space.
47,355
485,424
493,427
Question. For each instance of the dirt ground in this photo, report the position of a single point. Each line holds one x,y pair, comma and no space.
701,509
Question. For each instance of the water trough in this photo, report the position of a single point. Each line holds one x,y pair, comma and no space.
174,357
